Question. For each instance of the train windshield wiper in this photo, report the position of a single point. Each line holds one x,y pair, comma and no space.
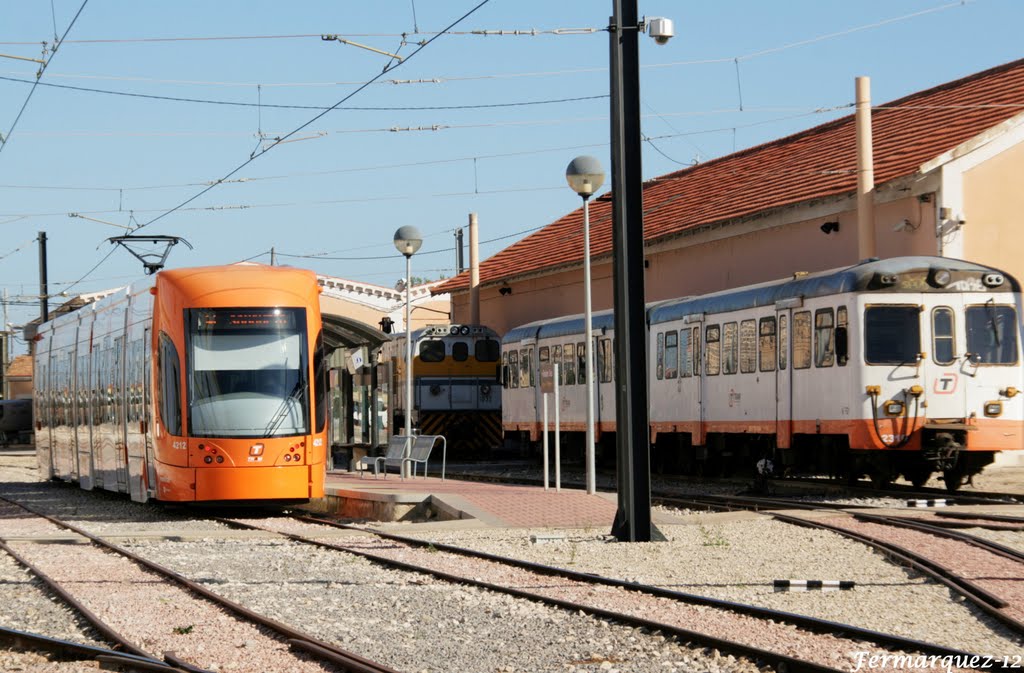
282,411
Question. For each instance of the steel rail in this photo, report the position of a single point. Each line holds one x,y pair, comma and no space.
67,649
984,600
347,660
1006,518
925,527
810,623
779,661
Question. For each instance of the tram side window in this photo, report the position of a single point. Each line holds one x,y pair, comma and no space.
766,345
783,342
748,346
460,351
892,335
943,343
842,337
802,340
660,370
685,354
606,360
824,338
170,382
992,334
671,354
321,379
556,359
432,350
487,350
569,362
525,368
712,349
730,348
513,369
581,363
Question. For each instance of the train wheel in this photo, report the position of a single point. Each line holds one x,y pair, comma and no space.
918,476
954,478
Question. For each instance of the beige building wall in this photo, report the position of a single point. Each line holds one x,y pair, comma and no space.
993,204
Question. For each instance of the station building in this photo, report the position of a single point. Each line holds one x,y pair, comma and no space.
947,166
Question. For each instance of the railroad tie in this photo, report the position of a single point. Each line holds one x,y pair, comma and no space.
941,502
811,585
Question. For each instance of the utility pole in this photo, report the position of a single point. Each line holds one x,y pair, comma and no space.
5,353
44,290
272,257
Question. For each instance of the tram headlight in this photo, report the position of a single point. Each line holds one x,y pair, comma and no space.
993,409
207,459
893,408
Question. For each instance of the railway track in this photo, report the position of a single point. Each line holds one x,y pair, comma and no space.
798,649
114,589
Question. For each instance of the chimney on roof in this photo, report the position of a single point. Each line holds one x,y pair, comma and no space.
865,172
474,271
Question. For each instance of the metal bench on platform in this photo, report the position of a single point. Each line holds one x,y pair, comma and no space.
393,457
422,446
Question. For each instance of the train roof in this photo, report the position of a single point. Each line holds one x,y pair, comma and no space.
560,327
905,274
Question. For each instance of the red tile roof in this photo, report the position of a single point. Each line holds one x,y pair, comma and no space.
819,162
21,366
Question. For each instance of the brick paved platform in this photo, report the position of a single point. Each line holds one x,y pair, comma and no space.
394,499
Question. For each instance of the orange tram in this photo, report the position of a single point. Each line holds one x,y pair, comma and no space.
194,385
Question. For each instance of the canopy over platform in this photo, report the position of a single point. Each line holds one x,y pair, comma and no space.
344,332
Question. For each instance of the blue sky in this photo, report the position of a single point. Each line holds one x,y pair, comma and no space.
497,117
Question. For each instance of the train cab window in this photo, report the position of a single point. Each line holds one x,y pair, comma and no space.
169,371
671,354
766,345
606,360
460,351
824,338
892,334
525,368
943,343
660,369
802,340
730,348
569,362
783,342
685,354
513,369
487,350
432,350
581,363
748,346
842,337
992,334
556,359
712,350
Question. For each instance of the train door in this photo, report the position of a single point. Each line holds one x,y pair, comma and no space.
41,395
135,436
783,381
699,344
944,373
120,410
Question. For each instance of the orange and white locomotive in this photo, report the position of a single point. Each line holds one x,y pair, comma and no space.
193,385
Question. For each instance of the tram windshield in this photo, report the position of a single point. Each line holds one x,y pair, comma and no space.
992,334
247,372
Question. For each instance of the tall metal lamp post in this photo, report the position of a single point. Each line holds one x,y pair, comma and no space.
585,175
408,240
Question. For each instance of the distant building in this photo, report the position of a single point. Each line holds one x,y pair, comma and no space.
947,163
18,378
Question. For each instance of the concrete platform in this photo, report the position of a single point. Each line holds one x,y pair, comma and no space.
485,504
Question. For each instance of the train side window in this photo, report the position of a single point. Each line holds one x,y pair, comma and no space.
487,350
606,360
556,359
569,363
581,363
660,370
824,338
730,348
525,368
321,374
544,354
671,354
513,369
460,351
802,340
696,351
943,344
892,334
432,350
842,337
170,385
748,346
712,350
503,368
783,342
529,354
685,354
766,345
